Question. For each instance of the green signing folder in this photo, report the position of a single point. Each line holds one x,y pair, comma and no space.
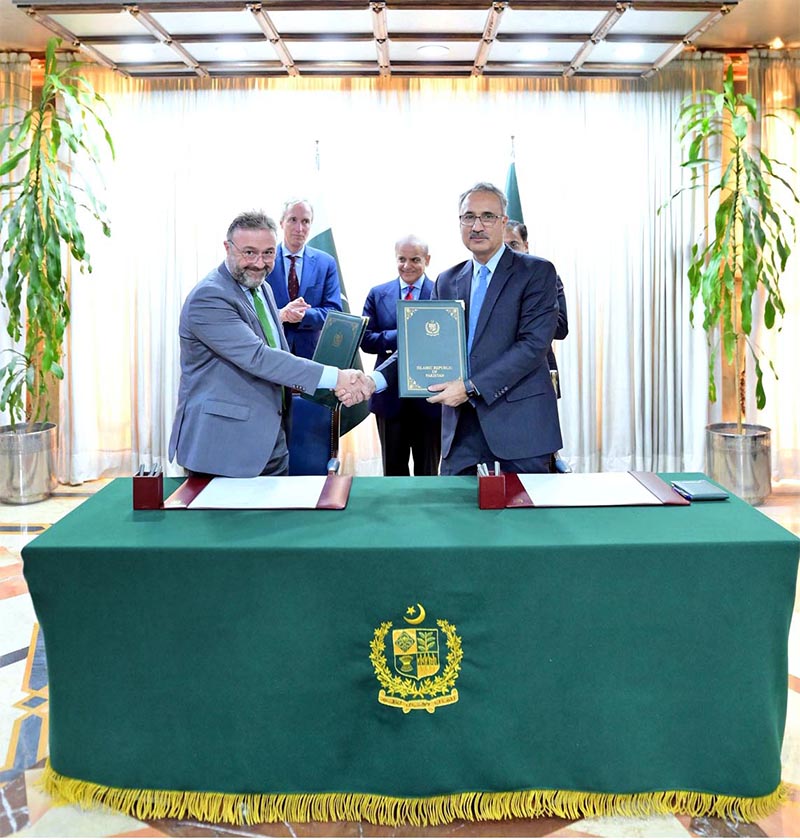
337,346
431,344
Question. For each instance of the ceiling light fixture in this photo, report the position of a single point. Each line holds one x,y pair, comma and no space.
776,44
433,50
533,51
629,52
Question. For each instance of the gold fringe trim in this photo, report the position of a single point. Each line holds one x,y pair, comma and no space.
253,808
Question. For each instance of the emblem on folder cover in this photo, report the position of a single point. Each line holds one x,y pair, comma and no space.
425,662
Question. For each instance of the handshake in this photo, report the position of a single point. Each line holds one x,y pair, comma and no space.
353,386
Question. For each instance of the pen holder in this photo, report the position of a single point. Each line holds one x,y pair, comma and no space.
148,492
491,492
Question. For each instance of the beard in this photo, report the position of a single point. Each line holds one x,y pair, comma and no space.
250,278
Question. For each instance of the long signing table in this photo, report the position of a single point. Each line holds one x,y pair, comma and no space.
414,659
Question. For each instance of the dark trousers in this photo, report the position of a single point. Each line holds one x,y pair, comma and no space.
469,448
410,433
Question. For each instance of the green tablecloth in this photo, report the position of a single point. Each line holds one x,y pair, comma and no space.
597,656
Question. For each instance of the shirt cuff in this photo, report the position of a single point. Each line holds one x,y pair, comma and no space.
380,381
329,377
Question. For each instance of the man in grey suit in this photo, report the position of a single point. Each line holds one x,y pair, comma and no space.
232,417
506,409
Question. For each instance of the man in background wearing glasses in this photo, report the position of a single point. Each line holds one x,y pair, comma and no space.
232,417
505,410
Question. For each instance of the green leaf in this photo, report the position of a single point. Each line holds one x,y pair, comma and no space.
13,162
769,313
761,397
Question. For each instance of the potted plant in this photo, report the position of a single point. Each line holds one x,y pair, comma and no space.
45,200
740,265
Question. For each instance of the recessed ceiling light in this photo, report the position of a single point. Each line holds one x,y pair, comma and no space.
433,50
534,51
776,44
231,51
629,52
138,53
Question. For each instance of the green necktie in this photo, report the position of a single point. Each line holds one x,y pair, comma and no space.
261,311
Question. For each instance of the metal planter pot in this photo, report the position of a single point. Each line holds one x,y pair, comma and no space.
27,462
742,463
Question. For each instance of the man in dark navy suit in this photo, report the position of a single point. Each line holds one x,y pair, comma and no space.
305,281
516,238
505,410
405,426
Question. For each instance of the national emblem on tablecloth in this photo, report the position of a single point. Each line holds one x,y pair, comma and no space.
425,662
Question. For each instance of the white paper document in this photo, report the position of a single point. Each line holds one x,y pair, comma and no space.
608,489
264,492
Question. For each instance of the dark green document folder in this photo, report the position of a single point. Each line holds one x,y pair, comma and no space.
699,490
431,345
338,345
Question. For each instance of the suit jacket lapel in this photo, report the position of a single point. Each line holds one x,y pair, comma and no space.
463,285
278,279
425,291
388,302
464,282
309,271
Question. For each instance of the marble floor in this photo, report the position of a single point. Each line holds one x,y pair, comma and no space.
26,811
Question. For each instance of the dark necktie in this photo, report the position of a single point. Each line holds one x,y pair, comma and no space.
294,283
261,311
409,293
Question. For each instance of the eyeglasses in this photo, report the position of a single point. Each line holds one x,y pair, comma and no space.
487,219
251,255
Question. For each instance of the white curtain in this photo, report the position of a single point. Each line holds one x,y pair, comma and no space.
595,161
774,79
15,92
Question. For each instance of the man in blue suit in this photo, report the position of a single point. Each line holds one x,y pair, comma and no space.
405,426
232,417
506,409
305,281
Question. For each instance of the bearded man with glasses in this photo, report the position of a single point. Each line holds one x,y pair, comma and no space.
233,413
505,410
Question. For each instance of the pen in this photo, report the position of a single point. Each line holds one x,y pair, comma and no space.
141,470
497,468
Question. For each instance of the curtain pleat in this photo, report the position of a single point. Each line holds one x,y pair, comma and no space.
774,80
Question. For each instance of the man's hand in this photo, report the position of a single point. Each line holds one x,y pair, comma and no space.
353,386
449,393
293,312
